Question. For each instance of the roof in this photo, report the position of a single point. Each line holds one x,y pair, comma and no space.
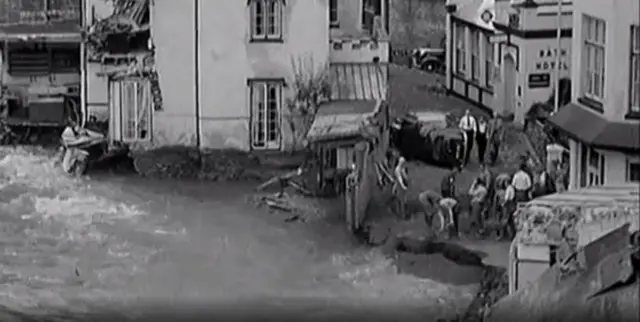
64,30
358,81
356,91
340,119
538,220
588,293
594,129
620,194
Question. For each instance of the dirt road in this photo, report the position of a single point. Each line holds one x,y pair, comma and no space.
78,244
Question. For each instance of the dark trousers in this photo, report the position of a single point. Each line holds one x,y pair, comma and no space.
481,140
476,214
469,147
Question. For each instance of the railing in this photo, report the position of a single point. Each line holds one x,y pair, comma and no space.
36,12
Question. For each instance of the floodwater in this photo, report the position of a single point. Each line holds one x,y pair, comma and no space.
80,243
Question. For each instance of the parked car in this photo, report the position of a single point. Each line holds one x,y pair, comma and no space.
428,140
429,59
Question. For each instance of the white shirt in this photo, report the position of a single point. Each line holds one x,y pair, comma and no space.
482,127
521,181
468,123
509,193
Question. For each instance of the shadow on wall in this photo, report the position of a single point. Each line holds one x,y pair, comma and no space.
542,110
416,23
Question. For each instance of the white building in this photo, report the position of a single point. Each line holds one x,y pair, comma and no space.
603,119
501,54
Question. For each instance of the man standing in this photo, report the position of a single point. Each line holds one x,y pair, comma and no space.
469,126
481,138
401,185
521,182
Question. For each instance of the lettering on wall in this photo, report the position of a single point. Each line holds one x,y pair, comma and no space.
546,60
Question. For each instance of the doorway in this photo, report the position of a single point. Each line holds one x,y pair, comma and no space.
509,81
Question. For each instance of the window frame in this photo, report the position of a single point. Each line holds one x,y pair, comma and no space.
266,35
334,15
460,53
266,84
590,171
593,58
489,61
474,49
136,84
632,160
634,73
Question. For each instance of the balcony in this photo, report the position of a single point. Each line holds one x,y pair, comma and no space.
40,12
368,44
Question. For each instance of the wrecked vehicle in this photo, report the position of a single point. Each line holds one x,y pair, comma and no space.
424,137
80,148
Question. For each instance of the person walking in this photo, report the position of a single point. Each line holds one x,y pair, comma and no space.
482,138
469,125
496,132
521,182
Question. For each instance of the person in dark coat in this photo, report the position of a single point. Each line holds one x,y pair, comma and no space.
496,134
482,138
448,190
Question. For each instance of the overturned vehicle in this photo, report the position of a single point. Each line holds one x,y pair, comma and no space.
425,137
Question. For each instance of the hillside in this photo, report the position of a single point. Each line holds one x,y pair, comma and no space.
416,23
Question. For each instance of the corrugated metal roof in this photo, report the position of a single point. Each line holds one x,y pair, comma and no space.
623,194
359,81
340,119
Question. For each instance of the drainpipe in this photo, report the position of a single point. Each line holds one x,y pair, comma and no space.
196,47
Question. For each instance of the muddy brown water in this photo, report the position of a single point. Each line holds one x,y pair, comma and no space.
110,243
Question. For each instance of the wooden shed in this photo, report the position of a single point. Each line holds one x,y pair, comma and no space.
553,226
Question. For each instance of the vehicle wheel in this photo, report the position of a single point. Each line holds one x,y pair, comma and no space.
80,168
429,67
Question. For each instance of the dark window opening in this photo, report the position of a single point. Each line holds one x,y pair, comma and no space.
38,59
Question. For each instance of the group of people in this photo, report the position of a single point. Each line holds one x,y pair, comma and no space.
483,133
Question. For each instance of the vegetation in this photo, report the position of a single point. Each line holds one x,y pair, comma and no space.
310,86
416,23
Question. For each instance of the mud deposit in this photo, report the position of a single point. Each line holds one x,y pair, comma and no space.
73,247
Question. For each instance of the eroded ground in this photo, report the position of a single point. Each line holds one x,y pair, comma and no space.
77,244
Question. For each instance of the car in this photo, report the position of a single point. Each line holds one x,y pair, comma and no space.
430,60
428,141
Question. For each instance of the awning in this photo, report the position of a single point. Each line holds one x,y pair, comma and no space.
62,32
593,129
358,81
340,120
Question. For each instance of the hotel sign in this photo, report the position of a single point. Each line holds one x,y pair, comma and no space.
545,61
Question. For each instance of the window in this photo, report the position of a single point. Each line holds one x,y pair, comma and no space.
458,34
43,59
489,66
475,55
133,101
594,32
370,10
633,169
333,14
634,99
265,114
266,19
592,167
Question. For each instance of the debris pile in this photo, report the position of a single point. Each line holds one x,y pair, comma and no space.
297,207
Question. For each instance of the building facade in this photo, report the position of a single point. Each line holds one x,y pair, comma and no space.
40,62
226,68
502,54
603,118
